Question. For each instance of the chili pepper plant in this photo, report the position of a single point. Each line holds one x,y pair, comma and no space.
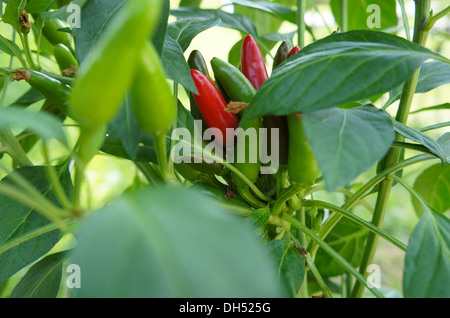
272,170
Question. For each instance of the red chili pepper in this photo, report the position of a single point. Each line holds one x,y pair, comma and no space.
212,107
294,51
252,61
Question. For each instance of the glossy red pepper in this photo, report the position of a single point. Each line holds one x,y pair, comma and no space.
294,51
252,61
212,108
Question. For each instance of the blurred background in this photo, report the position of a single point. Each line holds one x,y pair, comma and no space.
109,176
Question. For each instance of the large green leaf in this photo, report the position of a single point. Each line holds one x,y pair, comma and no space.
175,64
359,13
339,69
17,220
95,16
289,265
43,124
228,20
127,128
347,238
43,279
148,244
278,10
161,31
427,260
433,185
347,142
12,13
432,75
185,30
421,138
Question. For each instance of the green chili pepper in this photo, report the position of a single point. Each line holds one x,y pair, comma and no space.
51,33
108,70
302,165
153,103
65,59
54,90
281,55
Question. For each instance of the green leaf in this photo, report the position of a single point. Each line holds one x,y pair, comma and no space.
6,49
421,138
95,16
148,244
278,10
161,31
17,220
258,218
347,238
175,64
433,185
359,13
43,124
339,69
427,259
63,13
185,30
227,20
432,75
127,128
289,265
12,13
43,279
444,142
347,142
38,6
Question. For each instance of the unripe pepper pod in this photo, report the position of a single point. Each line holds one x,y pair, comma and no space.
153,103
212,106
65,59
281,55
108,70
252,61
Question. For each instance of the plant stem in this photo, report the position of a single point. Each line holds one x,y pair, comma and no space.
343,14
405,20
285,195
329,224
335,255
27,51
14,148
393,156
152,176
161,154
301,26
54,180
30,235
317,276
356,219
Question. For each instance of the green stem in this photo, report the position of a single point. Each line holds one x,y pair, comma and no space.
393,156
161,154
54,179
329,224
149,172
317,276
245,193
174,126
432,21
301,26
343,14
27,51
357,220
405,20
14,148
285,195
30,235
14,51
335,255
